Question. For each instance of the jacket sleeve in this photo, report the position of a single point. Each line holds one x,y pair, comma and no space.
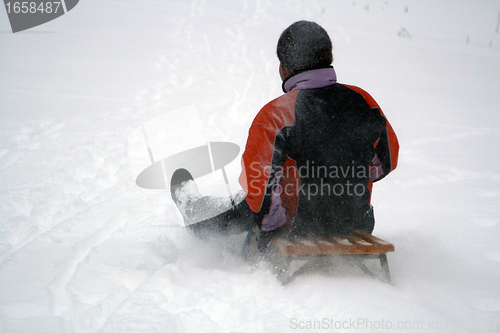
387,146
265,164
386,153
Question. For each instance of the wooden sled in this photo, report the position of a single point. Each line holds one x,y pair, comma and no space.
358,246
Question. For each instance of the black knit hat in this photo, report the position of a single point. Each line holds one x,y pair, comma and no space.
304,46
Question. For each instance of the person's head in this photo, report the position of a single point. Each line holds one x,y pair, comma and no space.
303,46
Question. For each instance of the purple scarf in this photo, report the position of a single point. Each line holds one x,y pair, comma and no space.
317,78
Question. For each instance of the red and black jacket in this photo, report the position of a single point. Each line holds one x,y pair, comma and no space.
313,154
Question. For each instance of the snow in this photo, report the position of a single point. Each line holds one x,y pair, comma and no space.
84,249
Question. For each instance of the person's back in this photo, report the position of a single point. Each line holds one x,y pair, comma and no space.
333,144
315,151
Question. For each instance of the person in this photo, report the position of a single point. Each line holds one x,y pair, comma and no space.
312,154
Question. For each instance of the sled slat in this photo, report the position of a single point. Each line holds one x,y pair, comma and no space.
306,246
380,244
285,246
312,249
358,243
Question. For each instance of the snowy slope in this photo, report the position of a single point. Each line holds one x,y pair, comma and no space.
83,249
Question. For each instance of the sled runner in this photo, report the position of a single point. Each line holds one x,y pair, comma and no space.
358,246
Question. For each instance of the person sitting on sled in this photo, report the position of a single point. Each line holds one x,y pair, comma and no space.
312,154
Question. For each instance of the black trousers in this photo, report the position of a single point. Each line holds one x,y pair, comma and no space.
241,219
234,221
